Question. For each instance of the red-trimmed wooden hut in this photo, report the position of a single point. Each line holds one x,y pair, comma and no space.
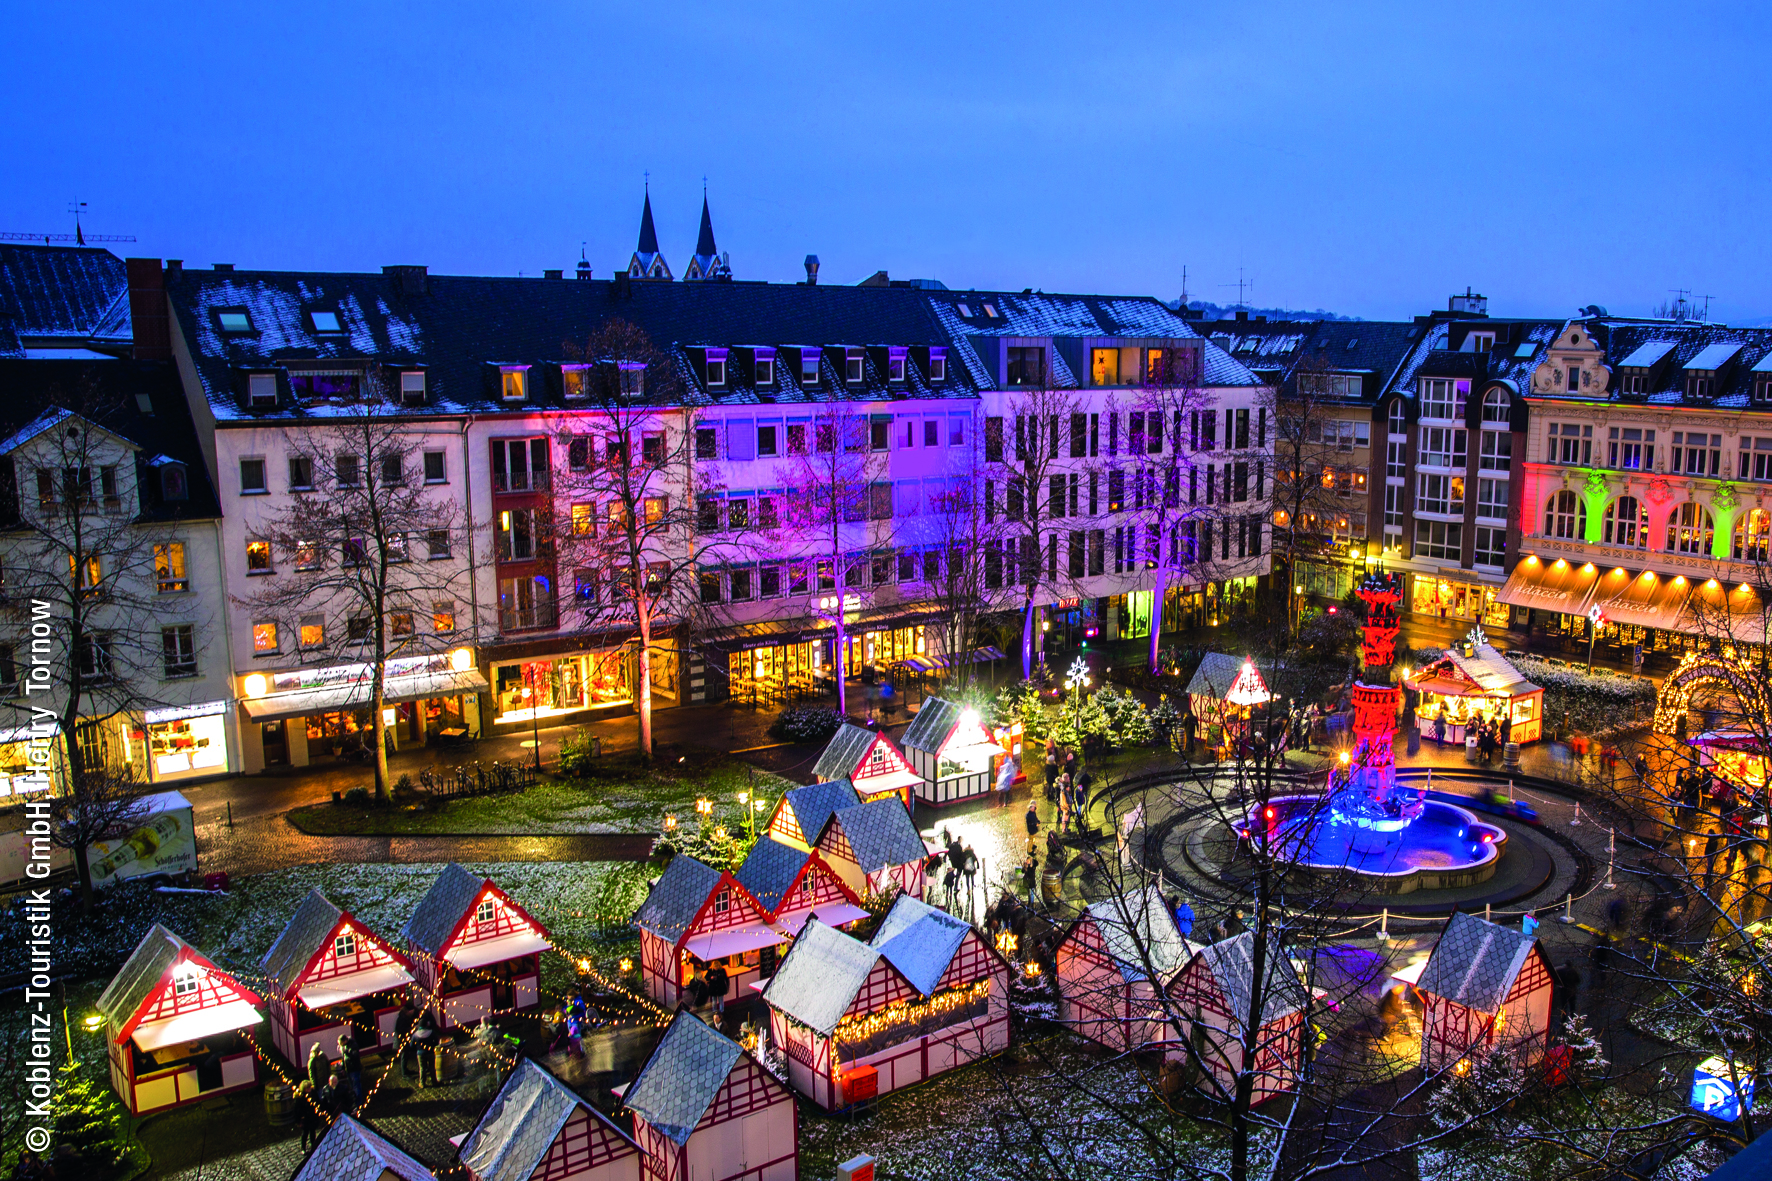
856,1019
537,1129
474,948
792,886
351,1152
876,848
949,747
705,1110
330,972
174,1026
870,761
697,915
801,812
1107,990
1215,991
1485,986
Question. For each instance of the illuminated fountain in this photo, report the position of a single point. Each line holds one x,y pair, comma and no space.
1365,824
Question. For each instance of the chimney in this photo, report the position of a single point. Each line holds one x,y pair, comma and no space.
149,318
1470,302
812,270
560,274
175,269
408,280
226,267
1242,317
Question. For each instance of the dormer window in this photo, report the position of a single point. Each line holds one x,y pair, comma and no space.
1698,385
633,378
763,367
1479,342
1574,376
325,323
412,388
808,366
572,382
514,382
174,482
1026,365
261,391
852,366
895,365
716,363
233,322
938,365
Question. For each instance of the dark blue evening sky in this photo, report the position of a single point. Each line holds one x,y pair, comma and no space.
1365,158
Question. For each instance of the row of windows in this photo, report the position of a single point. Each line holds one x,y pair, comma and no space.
719,369
1091,435
346,472
1690,526
268,635
434,544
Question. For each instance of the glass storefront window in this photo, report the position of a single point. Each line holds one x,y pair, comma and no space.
1448,599
187,741
548,688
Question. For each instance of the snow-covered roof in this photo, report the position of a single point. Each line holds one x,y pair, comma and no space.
769,869
1139,927
437,913
1231,963
1475,962
1714,356
934,721
141,974
1488,669
681,1079
64,293
812,805
349,1151
881,833
1648,353
525,1118
308,928
1216,674
843,753
920,941
817,982
676,898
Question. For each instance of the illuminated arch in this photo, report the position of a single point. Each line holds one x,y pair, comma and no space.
1700,668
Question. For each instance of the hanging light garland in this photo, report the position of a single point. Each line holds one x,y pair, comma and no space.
868,1025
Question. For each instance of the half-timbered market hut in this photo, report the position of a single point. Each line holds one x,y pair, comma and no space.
952,752
331,972
705,1110
876,849
175,1026
537,1129
474,948
869,760
801,812
1113,966
1216,991
348,1151
1485,987
856,1020
792,886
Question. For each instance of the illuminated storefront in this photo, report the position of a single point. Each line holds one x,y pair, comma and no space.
313,712
187,741
1446,598
534,690
775,669
24,755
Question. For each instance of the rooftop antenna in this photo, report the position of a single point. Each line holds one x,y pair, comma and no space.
1707,298
74,207
1241,284
1184,286
78,237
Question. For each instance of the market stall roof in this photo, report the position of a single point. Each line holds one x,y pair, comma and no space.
676,898
355,694
309,937
920,941
351,1152
769,869
685,1073
817,982
1475,962
1557,585
139,986
1231,962
1645,599
525,1119
496,951
1730,740
854,749
881,833
813,805
935,720
1487,673
1218,674
1140,920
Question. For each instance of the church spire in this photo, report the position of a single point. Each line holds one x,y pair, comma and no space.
647,262
708,262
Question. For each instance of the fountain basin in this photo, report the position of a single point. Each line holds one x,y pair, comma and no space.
1445,847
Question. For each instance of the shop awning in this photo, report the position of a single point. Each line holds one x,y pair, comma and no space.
1716,612
733,941
195,1026
832,914
1558,585
495,951
1647,599
355,695
1412,974
358,984
891,781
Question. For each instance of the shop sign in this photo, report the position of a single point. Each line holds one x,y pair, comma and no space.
1069,604
181,713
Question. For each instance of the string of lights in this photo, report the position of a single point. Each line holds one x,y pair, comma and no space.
862,1027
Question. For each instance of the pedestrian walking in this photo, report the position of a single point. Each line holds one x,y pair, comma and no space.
350,1065
404,1020
1033,817
1005,780
1030,873
719,984
1440,727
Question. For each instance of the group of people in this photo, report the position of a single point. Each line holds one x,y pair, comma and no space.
1492,731
1068,783
953,861
331,1087
711,985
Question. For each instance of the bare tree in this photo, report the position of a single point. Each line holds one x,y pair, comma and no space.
840,511
962,558
626,505
371,553
1313,478
102,803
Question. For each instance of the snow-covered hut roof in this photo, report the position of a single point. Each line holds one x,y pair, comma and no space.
676,898
351,1152
1475,962
314,920
525,1118
681,1079
1231,963
141,974
881,832
842,754
435,917
1216,674
769,869
935,720
813,805
817,982
920,941
1138,927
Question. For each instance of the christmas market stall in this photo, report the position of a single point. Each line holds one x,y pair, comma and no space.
856,1020
537,1129
792,886
1223,691
705,1110
351,1152
1739,759
473,948
1105,963
1475,687
953,753
175,1025
697,916
331,972
801,812
876,849
1484,986
1214,994
869,760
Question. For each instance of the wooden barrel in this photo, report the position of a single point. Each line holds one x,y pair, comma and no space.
1051,887
448,1062
280,1101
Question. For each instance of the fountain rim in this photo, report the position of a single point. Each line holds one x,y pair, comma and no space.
1491,857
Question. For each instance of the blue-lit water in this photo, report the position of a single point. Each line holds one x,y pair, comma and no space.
1303,829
